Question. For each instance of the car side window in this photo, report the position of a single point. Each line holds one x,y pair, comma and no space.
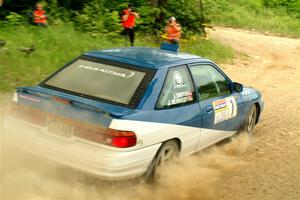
209,81
177,90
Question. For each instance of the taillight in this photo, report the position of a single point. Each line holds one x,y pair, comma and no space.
120,139
111,137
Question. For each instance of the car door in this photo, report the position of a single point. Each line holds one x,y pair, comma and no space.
218,103
178,105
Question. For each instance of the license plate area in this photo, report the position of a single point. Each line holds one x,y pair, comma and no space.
60,128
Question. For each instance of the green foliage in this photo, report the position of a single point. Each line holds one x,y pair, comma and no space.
289,6
148,18
15,19
214,9
216,51
58,44
102,17
56,13
91,18
116,5
98,17
187,13
255,6
279,3
255,14
112,23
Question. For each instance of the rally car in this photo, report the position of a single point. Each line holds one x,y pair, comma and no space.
122,113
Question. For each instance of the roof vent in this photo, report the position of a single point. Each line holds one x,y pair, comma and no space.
169,47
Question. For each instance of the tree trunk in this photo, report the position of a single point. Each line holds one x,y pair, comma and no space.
202,17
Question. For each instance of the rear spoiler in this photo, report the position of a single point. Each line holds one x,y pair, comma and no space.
112,110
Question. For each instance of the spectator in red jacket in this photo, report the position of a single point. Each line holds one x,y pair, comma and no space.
128,22
39,16
173,30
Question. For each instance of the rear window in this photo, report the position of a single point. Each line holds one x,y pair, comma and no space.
102,80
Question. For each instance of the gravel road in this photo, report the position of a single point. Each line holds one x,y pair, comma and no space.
268,170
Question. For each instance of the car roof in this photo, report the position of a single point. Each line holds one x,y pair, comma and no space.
148,57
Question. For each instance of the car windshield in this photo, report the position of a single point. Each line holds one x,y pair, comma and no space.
102,81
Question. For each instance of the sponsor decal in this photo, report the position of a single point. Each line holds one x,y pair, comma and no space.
181,97
182,94
108,71
224,109
178,80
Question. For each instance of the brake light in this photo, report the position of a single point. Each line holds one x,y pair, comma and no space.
120,139
111,137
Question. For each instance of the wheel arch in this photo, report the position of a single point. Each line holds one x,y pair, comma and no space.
177,140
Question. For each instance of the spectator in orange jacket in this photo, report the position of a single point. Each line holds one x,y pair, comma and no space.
39,16
173,31
128,22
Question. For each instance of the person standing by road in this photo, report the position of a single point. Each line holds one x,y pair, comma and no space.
173,31
39,16
128,22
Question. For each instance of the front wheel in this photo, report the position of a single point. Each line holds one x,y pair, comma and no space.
250,121
243,139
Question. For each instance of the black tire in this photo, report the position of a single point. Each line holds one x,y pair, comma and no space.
250,121
241,141
167,153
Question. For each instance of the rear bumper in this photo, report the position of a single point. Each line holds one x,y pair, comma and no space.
87,157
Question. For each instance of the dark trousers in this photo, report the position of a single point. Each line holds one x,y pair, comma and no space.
42,24
130,33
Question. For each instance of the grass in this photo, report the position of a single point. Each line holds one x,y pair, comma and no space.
261,19
59,44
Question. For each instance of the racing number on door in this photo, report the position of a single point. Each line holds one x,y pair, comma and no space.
224,109
215,96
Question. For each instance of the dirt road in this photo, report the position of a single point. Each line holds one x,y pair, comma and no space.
269,170
272,65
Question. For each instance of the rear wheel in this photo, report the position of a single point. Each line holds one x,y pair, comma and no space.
168,152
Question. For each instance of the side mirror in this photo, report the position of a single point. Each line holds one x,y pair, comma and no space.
238,87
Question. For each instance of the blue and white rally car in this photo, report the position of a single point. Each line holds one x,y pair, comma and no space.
122,113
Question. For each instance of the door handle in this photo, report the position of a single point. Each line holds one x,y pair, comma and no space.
209,109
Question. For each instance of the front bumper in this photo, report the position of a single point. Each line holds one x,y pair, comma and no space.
91,158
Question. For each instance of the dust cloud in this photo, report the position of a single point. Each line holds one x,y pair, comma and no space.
272,171
24,176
